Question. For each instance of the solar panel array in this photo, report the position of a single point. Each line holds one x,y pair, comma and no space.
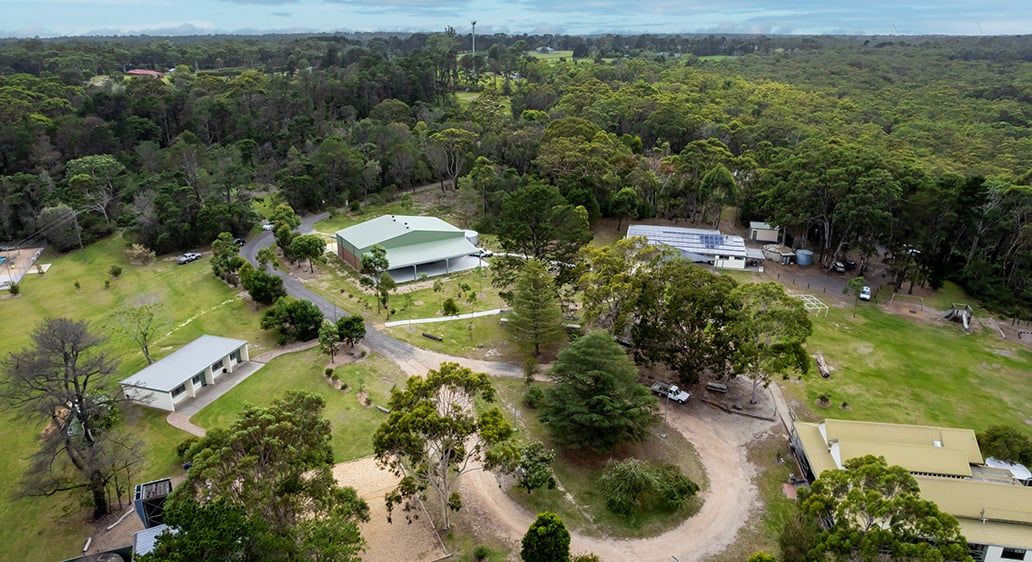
694,240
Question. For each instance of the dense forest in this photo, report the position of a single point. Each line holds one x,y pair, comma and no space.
915,149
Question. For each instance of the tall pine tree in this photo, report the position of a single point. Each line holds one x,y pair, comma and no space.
536,317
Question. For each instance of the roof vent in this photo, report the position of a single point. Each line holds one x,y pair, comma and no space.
937,443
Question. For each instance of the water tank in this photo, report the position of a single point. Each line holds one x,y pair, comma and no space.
804,257
473,237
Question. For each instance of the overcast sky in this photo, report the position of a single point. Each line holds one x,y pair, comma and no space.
48,18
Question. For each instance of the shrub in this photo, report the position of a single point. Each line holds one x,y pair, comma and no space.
115,271
15,288
138,253
334,377
77,286
329,371
450,308
184,447
533,397
481,552
635,485
355,206
107,283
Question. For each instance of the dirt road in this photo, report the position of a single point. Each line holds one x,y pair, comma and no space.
721,440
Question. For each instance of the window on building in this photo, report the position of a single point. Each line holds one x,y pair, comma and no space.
178,390
218,364
235,356
1013,554
198,379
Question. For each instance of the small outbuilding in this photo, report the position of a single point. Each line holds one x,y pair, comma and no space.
414,245
185,372
763,232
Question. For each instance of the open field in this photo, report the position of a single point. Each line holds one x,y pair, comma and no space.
895,369
55,528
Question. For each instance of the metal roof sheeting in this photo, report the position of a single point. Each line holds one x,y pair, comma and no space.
691,240
426,252
383,228
184,363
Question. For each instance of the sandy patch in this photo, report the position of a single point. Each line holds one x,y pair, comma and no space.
388,542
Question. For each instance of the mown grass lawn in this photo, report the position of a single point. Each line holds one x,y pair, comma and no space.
353,423
486,340
895,369
55,528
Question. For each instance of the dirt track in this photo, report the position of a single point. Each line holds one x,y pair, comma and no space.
721,440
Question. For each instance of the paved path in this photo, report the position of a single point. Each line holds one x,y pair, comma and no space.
394,323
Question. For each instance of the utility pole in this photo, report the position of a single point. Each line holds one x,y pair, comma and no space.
474,24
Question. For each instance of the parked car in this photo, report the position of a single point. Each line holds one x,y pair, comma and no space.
865,293
838,267
850,265
188,257
671,392
239,241
267,226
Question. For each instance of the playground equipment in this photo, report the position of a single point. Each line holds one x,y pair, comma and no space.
960,313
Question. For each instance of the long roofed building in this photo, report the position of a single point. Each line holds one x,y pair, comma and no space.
993,507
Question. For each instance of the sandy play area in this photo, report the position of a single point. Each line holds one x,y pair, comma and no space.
388,542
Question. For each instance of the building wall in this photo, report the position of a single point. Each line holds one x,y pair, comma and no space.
348,253
729,262
763,235
995,554
152,398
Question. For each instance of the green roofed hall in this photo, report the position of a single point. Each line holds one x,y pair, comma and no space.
415,245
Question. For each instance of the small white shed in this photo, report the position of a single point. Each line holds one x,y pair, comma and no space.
185,372
763,232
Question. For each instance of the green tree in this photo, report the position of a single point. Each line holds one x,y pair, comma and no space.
868,509
537,222
266,256
309,247
351,329
293,318
624,205
61,226
762,557
853,287
142,323
547,540
596,401
383,290
1007,444
223,252
434,434
276,464
717,188
59,380
93,183
329,339
263,287
769,330
536,317
535,467
450,308
215,530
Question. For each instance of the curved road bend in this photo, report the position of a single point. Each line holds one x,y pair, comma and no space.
412,359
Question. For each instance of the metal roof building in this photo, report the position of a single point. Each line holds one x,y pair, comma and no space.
410,241
185,371
993,508
697,245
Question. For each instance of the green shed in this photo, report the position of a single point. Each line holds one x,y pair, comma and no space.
410,241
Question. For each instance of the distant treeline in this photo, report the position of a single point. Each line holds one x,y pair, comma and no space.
914,148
